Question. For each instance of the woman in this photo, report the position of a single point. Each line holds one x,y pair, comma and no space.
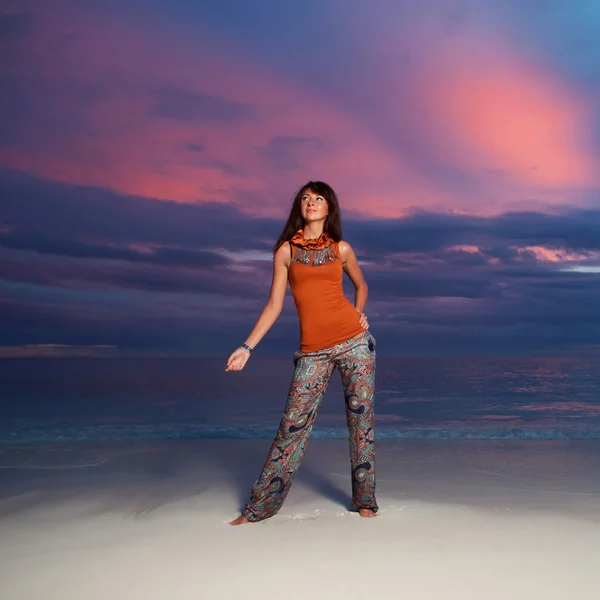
333,333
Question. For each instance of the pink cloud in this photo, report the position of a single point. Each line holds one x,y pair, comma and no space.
558,255
499,111
126,148
478,111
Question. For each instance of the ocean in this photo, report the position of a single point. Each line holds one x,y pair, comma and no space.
102,399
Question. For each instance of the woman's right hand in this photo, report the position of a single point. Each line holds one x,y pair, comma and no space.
237,360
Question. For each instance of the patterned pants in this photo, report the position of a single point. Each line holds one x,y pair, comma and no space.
355,359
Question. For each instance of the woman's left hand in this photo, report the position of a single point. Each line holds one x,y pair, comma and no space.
364,322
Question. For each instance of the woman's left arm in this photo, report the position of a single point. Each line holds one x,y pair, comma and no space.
352,269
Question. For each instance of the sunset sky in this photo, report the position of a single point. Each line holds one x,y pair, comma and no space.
150,151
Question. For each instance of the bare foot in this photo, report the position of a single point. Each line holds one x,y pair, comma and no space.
367,513
241,520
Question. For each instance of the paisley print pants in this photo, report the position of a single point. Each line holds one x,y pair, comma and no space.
355,360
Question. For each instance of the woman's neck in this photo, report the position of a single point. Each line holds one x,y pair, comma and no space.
312,231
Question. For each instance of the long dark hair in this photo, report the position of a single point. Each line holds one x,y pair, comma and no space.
333,222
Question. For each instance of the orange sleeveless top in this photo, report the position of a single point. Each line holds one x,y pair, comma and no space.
315,274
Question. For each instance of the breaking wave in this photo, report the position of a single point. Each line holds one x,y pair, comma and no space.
189,431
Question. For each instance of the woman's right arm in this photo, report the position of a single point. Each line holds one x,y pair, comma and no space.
271,311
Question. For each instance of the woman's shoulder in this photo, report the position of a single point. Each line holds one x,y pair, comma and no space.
283,252
344,247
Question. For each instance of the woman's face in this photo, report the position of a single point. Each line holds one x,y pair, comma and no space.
313,207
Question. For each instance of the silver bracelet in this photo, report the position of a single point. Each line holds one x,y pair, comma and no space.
247,348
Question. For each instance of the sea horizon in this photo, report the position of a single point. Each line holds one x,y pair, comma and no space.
45,400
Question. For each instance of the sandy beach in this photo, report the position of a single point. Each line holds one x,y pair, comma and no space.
147,520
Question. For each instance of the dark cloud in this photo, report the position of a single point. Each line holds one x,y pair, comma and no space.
37,323
84,221
285,153
138,328
103,276
577,229
14,110
225,167
14,26
82,265
159,256
201,159
574,229
36,208
173,103
196,148
428,282
37,110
